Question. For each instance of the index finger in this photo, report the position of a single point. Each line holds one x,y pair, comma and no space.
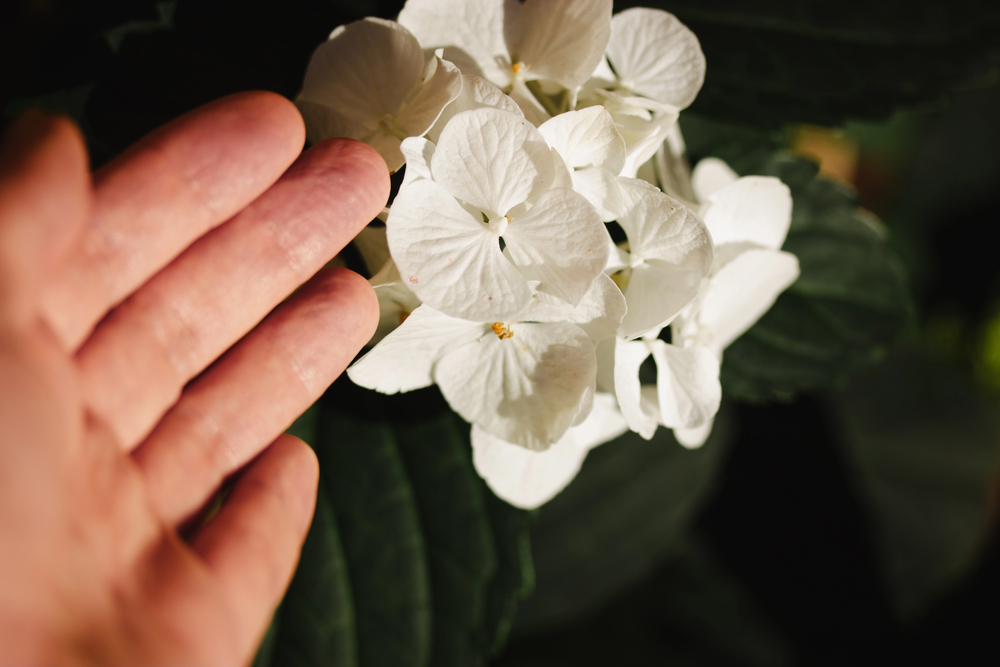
164,193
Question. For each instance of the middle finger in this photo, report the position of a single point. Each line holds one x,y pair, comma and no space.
139,358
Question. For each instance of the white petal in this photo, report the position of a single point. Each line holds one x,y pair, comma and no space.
656,55
361,76
529,479
693,438
529,105
711,175
599,312
586,138
477,93
373,247
754,209
606,365
395,304
562,177
451,260
492,159
404,360
670,250
563,40
643,138
471,33
742,291
600,187
418,153
672,171
638,404
687,383
441,83
561,242
527,388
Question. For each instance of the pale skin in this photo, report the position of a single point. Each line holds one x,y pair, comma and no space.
142,368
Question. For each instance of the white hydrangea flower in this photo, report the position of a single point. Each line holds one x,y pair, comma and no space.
372,81
529,479
592,148
749,219
511,43
525,382
653,68
669,253
489,180
687,393
654,55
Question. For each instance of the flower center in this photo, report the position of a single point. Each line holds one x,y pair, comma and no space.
499,225
501,330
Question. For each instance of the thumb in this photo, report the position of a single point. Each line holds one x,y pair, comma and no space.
44,200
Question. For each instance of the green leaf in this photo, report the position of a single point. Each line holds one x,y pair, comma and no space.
627,510
458,535
383,540
922,443
850,303
811,61
515,576
316,625
411,560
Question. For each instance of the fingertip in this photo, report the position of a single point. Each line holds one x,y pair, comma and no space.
45,193
365,168
348,285
300,471
275,109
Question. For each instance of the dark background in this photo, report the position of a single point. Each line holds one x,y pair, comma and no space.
913,83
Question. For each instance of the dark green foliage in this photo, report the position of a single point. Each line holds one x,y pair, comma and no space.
850,303
316,623
410,560
690,612
386,552
626,511
821,62
460,543
922,443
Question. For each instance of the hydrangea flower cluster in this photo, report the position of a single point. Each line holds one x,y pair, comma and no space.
529,132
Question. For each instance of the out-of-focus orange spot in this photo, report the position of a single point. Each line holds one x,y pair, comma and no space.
836,153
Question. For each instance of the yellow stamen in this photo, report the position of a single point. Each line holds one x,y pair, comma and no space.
501,330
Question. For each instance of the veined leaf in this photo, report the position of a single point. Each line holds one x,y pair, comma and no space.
411,560
386,552
316,624
460,545
850,303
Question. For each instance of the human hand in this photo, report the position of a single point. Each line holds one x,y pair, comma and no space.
130,388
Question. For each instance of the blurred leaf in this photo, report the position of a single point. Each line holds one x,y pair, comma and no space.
820,62
706,604
515,576
922,441
627,510
316,624
691,611
850,303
